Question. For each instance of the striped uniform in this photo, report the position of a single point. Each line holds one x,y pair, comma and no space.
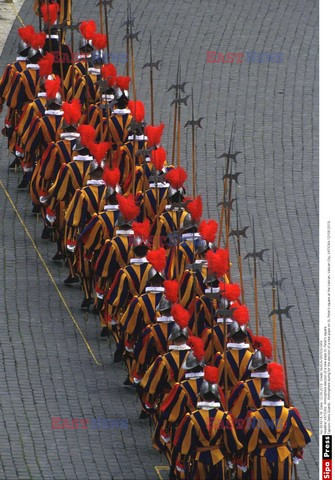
192,284
271,432
30,112
168,222
237,359
99,229
202,313
24,88
78,69
203,440
9,75
56,154
245,395
186,255
85,88
153,207
118,125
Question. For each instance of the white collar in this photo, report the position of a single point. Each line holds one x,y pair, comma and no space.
165,319
54,112
212,290
179,347
260,375
221,320
124,232
238,346
111,208
138,137
190,236
42,95
154,289
33,66
83,158
208,405
204,262
95,71
175,209
54,36
85,55
107,97
159,185
194,375
96,182
139,261
269,403
120,111
21,59
69,135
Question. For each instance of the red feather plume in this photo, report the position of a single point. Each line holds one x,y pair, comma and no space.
87,134
176,177
46,64
72,111
211,374
50,13
230,291
123,82
208,230
180,315
195,208
157,258
99,41
142,229
277,377
52,87
37,40
108,73
99,150
26,33
171,290
128,207
154,134
241,315
197,346
158,158
111,176
88,29
264,345
137,110
218,262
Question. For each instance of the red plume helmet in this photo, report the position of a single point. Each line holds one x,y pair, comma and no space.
128,207
211,374
111,176
264,345
176,177
137,110
241,315
108,73
50,13
171,290
208,230
46,64
26,33
154,134
52,87
37,40
99,41
195,208
158,158
72,111
218,262
87,134
142,229
123,82
157,258
180,315
88,29
277,377
99,150
230,291
197,346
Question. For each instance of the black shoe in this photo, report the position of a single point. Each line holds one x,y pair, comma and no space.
118,356
23,184
59,256
127,382
86,303
144,415
104,333
45,233
15,163
36,209
70,280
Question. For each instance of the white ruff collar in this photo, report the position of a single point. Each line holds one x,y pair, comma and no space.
238,346
54,36
194,375
190,236
54,112
108,97
33,66
83,158
138,137
124,232
260,375
69,135
208,405
139,261
95,71
165,319
221,320
120,111
168,207
21,59
154,289
111,208
42,95
212,290
204,262
96,182
159,185
269,403
179,347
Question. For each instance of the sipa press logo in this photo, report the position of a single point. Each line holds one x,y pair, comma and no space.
327,457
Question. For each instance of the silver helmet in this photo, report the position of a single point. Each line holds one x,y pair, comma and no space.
57,100
188,223
153,272
258,360
207,387
34,55
164,304
211,278
110,190
235,327
23,48
94,165
122,222
191,361
79,146
85,45
266,392
178,332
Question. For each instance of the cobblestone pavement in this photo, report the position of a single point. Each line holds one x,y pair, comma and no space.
47,370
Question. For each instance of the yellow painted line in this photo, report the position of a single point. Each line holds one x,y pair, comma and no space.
160,468
50,274
17,13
